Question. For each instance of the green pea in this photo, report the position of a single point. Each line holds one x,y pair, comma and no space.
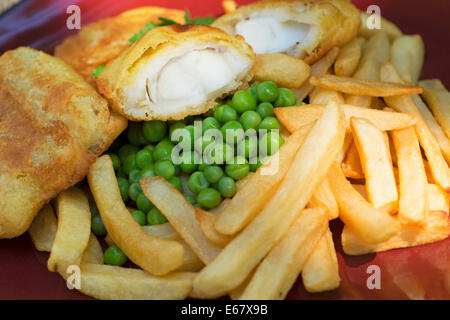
270,143
134,176
213,173
197,182
248,147
130,163
190,198
177,169
210,123
238,169
265,109
155,217
267,91
243,101
94,210
255,164
148,172
163,151
97,226
225,113
173,127
165,169
114,256
134,133
140,217
150,148
250,120
143,203
115,160
286,98
270,123
203,142
127,150
176,182
144,158
209,198
189,161
227,187
154,131
202,167
254,90
220,153
124,185
232,131
134,191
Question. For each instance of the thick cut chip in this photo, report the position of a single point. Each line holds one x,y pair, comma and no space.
372,225
52,127
407,55
324,198
387,26
309,168
74,229
43,229
351,166
176,71
100,42
377,165
181,215
206,221
438,98
285,261
155,255
348,59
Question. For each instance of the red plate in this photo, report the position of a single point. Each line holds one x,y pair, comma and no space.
420,272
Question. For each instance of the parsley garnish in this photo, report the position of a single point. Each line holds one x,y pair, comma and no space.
97,71
167,22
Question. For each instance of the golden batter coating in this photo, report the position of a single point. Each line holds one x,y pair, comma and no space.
176,71
53,125
102,41
305,29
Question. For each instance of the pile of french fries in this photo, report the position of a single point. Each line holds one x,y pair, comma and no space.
366,150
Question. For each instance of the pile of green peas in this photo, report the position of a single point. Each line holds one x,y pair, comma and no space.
146,151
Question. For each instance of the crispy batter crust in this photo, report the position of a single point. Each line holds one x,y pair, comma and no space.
52,127
115,75
334,22
102,41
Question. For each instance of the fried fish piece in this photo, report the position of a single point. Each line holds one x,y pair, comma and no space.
53,125
100,42
176,71
304,29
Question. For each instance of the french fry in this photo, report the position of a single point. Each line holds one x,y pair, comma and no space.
431,122
438,98
438,166
43,229
310,166
390,28
191,262
229,6
284,70
163,231
348,140
155,255
206,221
363,87
348,58
237,292
255,194
376,164
74,228
93,252
324,96
351,166
376,50
436,227
241,183
317,69
437,199
407,55
285,261
370,224
413,178
117,283
324,198
181,215
362,190
321,271
294,118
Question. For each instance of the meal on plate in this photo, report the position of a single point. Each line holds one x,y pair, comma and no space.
208,156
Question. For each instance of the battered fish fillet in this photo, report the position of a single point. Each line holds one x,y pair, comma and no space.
102,41
305,29
53,125
176,71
